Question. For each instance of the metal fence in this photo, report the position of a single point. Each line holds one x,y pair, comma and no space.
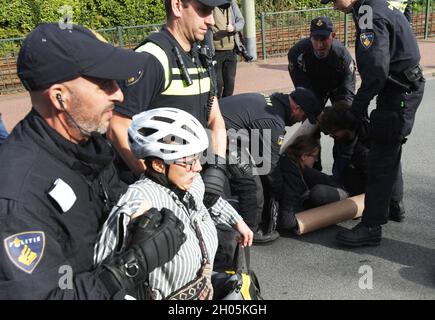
127,37
281,30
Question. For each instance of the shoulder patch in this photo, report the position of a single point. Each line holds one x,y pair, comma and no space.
134,79
25,249
280,140
367,39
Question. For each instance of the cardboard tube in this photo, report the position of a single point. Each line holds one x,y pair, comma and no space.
330,214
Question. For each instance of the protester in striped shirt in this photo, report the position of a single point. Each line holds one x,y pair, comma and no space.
170,141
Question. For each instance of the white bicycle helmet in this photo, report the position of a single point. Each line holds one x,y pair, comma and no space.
166,133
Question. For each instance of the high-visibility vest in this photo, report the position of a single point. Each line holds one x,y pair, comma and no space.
177,93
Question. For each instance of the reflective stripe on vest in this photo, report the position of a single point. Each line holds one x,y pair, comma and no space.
178,85
160,54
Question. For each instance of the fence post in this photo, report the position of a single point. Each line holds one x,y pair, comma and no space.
426,23
120,40
346,31
263,35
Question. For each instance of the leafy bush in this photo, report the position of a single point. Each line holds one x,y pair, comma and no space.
19,17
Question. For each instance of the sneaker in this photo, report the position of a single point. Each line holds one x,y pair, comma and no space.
397,211
360,235
262,238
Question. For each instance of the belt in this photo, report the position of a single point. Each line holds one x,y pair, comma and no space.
407,80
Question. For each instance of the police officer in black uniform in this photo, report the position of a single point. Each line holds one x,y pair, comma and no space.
388,58
58,180
322,64
177,73
250,115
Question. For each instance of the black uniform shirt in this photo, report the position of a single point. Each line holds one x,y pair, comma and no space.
332,77
257,111
388,47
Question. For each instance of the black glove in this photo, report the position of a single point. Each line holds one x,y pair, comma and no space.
238,155
238,169
214,180
155,238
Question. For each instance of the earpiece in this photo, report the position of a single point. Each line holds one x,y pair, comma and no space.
59,97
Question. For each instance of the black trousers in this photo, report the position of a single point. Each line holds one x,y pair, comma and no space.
249,192
226,64
392,120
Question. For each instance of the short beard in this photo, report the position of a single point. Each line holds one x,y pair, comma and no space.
78,115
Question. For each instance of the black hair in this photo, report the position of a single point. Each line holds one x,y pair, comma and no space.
337,117
157,177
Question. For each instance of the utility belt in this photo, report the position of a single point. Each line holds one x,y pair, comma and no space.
408,80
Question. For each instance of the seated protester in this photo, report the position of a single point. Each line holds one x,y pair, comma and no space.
350,152
261,120
170,142
303,187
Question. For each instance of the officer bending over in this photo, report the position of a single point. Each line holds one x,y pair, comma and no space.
388,59
254,111
321,63
58,178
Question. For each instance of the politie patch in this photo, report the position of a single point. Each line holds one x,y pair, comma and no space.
25,249
280,140
134,79
366,39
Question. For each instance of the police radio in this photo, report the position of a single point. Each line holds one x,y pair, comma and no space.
184,73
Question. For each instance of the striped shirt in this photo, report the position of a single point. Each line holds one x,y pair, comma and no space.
186,263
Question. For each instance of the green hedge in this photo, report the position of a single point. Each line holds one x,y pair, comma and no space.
19,17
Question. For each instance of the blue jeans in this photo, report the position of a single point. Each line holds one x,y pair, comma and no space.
3,132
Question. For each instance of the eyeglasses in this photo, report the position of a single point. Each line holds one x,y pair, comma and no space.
188,163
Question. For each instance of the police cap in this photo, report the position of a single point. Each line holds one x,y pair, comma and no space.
51,54
321,26
308,102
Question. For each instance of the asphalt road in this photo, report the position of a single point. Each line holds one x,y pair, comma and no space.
313,266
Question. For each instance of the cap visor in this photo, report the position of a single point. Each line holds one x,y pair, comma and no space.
214,3
321,33
119,64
